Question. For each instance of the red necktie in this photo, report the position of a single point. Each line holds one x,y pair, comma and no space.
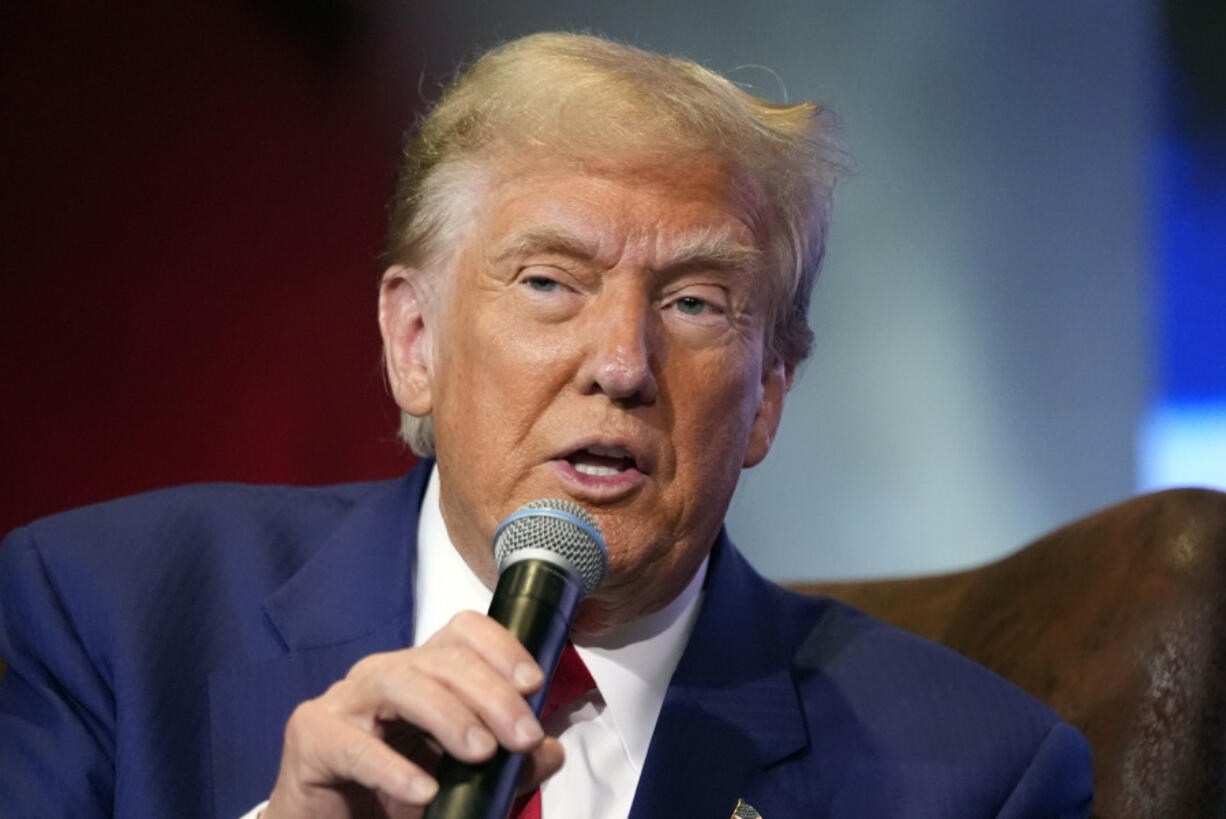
571,681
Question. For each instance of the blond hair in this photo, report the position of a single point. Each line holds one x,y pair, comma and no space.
584,97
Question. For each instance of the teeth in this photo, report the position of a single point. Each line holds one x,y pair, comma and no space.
593,469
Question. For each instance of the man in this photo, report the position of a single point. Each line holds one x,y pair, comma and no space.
599,269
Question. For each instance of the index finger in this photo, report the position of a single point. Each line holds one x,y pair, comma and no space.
490,640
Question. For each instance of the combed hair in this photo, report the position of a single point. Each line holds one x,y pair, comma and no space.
588,99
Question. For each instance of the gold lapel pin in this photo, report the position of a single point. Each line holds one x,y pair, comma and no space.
744,810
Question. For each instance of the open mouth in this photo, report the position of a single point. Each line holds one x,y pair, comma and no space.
601,462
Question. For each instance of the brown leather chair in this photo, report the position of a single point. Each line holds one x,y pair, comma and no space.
1118,621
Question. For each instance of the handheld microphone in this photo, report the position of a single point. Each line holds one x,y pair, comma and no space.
550,554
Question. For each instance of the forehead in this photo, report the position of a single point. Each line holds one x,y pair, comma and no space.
652,208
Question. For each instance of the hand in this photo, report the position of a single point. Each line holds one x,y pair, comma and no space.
368,745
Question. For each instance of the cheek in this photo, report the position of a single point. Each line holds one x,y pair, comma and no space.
716,402
712,435
499,377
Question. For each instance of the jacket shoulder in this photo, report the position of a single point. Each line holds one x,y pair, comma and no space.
210,521
917,710
212,550
850,647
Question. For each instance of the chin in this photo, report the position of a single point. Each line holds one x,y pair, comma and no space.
593,618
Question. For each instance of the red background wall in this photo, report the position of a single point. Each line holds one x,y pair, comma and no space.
193,203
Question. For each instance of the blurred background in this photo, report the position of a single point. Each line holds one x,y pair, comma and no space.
1022,316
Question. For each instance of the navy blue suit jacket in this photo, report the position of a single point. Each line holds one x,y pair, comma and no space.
157,644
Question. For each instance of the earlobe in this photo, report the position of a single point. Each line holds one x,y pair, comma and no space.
776,381
405,324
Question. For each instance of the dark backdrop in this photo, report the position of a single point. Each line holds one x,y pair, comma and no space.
194,197
193,201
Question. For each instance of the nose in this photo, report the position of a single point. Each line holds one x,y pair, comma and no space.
621,348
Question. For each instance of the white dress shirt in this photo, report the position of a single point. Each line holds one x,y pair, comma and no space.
607,732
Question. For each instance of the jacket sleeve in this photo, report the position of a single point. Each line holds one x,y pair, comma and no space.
1058,783
56,709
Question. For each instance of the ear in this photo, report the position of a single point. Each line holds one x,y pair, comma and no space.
776,381
405,324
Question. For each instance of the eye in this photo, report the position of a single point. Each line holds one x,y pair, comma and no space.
542,284
704,303
698,311
692,305
546,292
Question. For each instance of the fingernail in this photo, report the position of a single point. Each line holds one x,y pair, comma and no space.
480,741
527,675
422,789
528,731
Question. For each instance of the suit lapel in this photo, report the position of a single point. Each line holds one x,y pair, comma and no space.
732,709
360,577
354,596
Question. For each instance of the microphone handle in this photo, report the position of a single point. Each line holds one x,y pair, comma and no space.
536,601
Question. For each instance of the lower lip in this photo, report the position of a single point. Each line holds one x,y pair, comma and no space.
598,487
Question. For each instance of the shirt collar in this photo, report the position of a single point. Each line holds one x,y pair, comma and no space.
631,664
443,585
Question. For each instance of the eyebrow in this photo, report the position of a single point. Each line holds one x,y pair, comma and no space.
545,240
713,249
701,248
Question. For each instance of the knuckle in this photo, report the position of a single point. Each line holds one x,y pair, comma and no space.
302,718
467,620
332,701
303,731
443,662
455,656
389,687
370,664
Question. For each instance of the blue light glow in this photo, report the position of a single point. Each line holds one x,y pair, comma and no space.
1183,445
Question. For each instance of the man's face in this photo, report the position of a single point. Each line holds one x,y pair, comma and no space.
602,340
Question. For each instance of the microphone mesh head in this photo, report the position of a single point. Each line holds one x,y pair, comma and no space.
564,529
